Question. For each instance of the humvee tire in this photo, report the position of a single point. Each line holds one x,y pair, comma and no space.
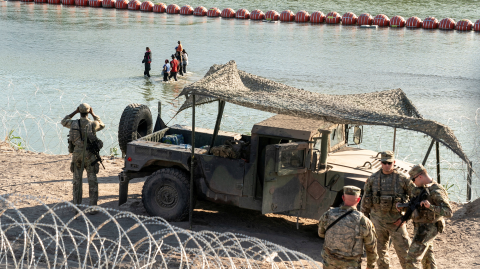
166,193
136,122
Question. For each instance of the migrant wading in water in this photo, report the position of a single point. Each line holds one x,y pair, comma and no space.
174,70
185,61
166,70
147,59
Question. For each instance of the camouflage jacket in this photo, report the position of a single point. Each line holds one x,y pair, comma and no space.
345,240
439,205
93,127
382,192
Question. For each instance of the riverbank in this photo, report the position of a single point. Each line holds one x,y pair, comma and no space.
40,174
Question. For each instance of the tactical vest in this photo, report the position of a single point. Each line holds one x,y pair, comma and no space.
344,237
77,133
425,215
387,191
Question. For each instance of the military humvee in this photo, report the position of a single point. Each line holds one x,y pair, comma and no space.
296,166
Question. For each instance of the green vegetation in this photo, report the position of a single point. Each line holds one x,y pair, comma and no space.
15,141
114,152
448,188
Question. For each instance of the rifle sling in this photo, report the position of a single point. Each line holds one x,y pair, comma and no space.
337,220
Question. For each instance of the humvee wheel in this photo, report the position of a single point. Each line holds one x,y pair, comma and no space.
166,193
136,122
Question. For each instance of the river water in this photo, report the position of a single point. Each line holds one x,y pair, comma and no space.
53,57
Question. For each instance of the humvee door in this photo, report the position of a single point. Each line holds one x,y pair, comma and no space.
285,171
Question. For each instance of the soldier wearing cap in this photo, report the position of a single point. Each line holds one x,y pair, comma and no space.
428,220
346,232
383,190
76,147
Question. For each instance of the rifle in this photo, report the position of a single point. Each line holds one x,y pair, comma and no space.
94,148
412,205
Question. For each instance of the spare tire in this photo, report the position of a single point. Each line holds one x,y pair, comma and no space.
136,122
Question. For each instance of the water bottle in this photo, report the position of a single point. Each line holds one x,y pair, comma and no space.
185,146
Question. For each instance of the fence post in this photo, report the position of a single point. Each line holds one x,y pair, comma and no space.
469,182
438,161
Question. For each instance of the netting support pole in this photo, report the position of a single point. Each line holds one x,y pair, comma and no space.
394,138
469,182
192,164
437,147
221,106
428,152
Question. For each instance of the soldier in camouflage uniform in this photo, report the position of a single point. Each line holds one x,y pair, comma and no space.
428,220
76,137
346,238
383,190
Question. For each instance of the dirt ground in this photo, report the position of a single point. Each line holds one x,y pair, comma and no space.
40,174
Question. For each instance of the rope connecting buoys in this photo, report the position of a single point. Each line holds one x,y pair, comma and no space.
81,2
397,21
317,17
228,13
242,14
332,18
95,3
349,18
272,15
430,23
146,6
381,20
447,24
200,11
414,22
68,2
173,9
186,10
464,25
257,14
287,15
159,8
213,12
302,16
365,19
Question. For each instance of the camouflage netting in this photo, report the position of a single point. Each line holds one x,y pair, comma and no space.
389,108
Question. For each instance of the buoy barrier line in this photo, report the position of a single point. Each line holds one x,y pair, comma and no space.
476,26
186,10
68,2
381,20
464,25
26,1
272,15
287,15
200,11
159,8
317,17
257,14
430,23
108,3
213,12
365,19
302,16
55,2
349,18
81,2
228,13
134,5
173,9
447,24
121,4
242,14
41,1
333,18
397,21
414,22
95,3
146,6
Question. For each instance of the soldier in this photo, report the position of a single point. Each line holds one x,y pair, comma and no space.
428,220
346,232
76,146
382,191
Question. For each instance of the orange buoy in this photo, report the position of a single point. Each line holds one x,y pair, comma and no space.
228,13
146,6
213,12
55,2
332,17
134,5
81,2
95,3
464,25
397,21
186,10
121,4
302,16
447,24
349,18
476,26
200,11
365,19
68,2
173,9
159,8
257,14
430,23
381,20
242,14
108,3
317,17
287,15
272,15
41,1
414,22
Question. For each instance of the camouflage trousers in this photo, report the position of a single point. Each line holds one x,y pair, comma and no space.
400,241
92,171
421,250
330,262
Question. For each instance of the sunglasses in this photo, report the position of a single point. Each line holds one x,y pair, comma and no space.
389,163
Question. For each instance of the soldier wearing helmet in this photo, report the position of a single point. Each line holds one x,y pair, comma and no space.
78,129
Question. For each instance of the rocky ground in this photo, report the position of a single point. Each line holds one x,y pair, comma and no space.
40,174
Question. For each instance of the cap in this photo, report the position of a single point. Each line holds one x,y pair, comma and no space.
352,190
84,108
388,156
416,170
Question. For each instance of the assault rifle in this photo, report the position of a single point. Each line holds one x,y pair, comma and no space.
412,205
94,148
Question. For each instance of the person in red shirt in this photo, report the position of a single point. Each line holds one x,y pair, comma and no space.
174,65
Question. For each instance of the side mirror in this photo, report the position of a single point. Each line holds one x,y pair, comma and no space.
357,135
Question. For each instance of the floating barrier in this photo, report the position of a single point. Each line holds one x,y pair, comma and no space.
121,4
68,2
302,16
41,1
447,24
186,10
257,14
228,13
108,3
397,21
272,15
242,14
430,23
414,22
173,9
349,18
200,11
476,26
287,15
146,6
365,19
159,8
317,17
81,2
134,5
95,3
464,25
26,1
55,2
332,18
381,20
213,12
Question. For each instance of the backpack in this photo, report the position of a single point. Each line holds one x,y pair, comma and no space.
73,135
